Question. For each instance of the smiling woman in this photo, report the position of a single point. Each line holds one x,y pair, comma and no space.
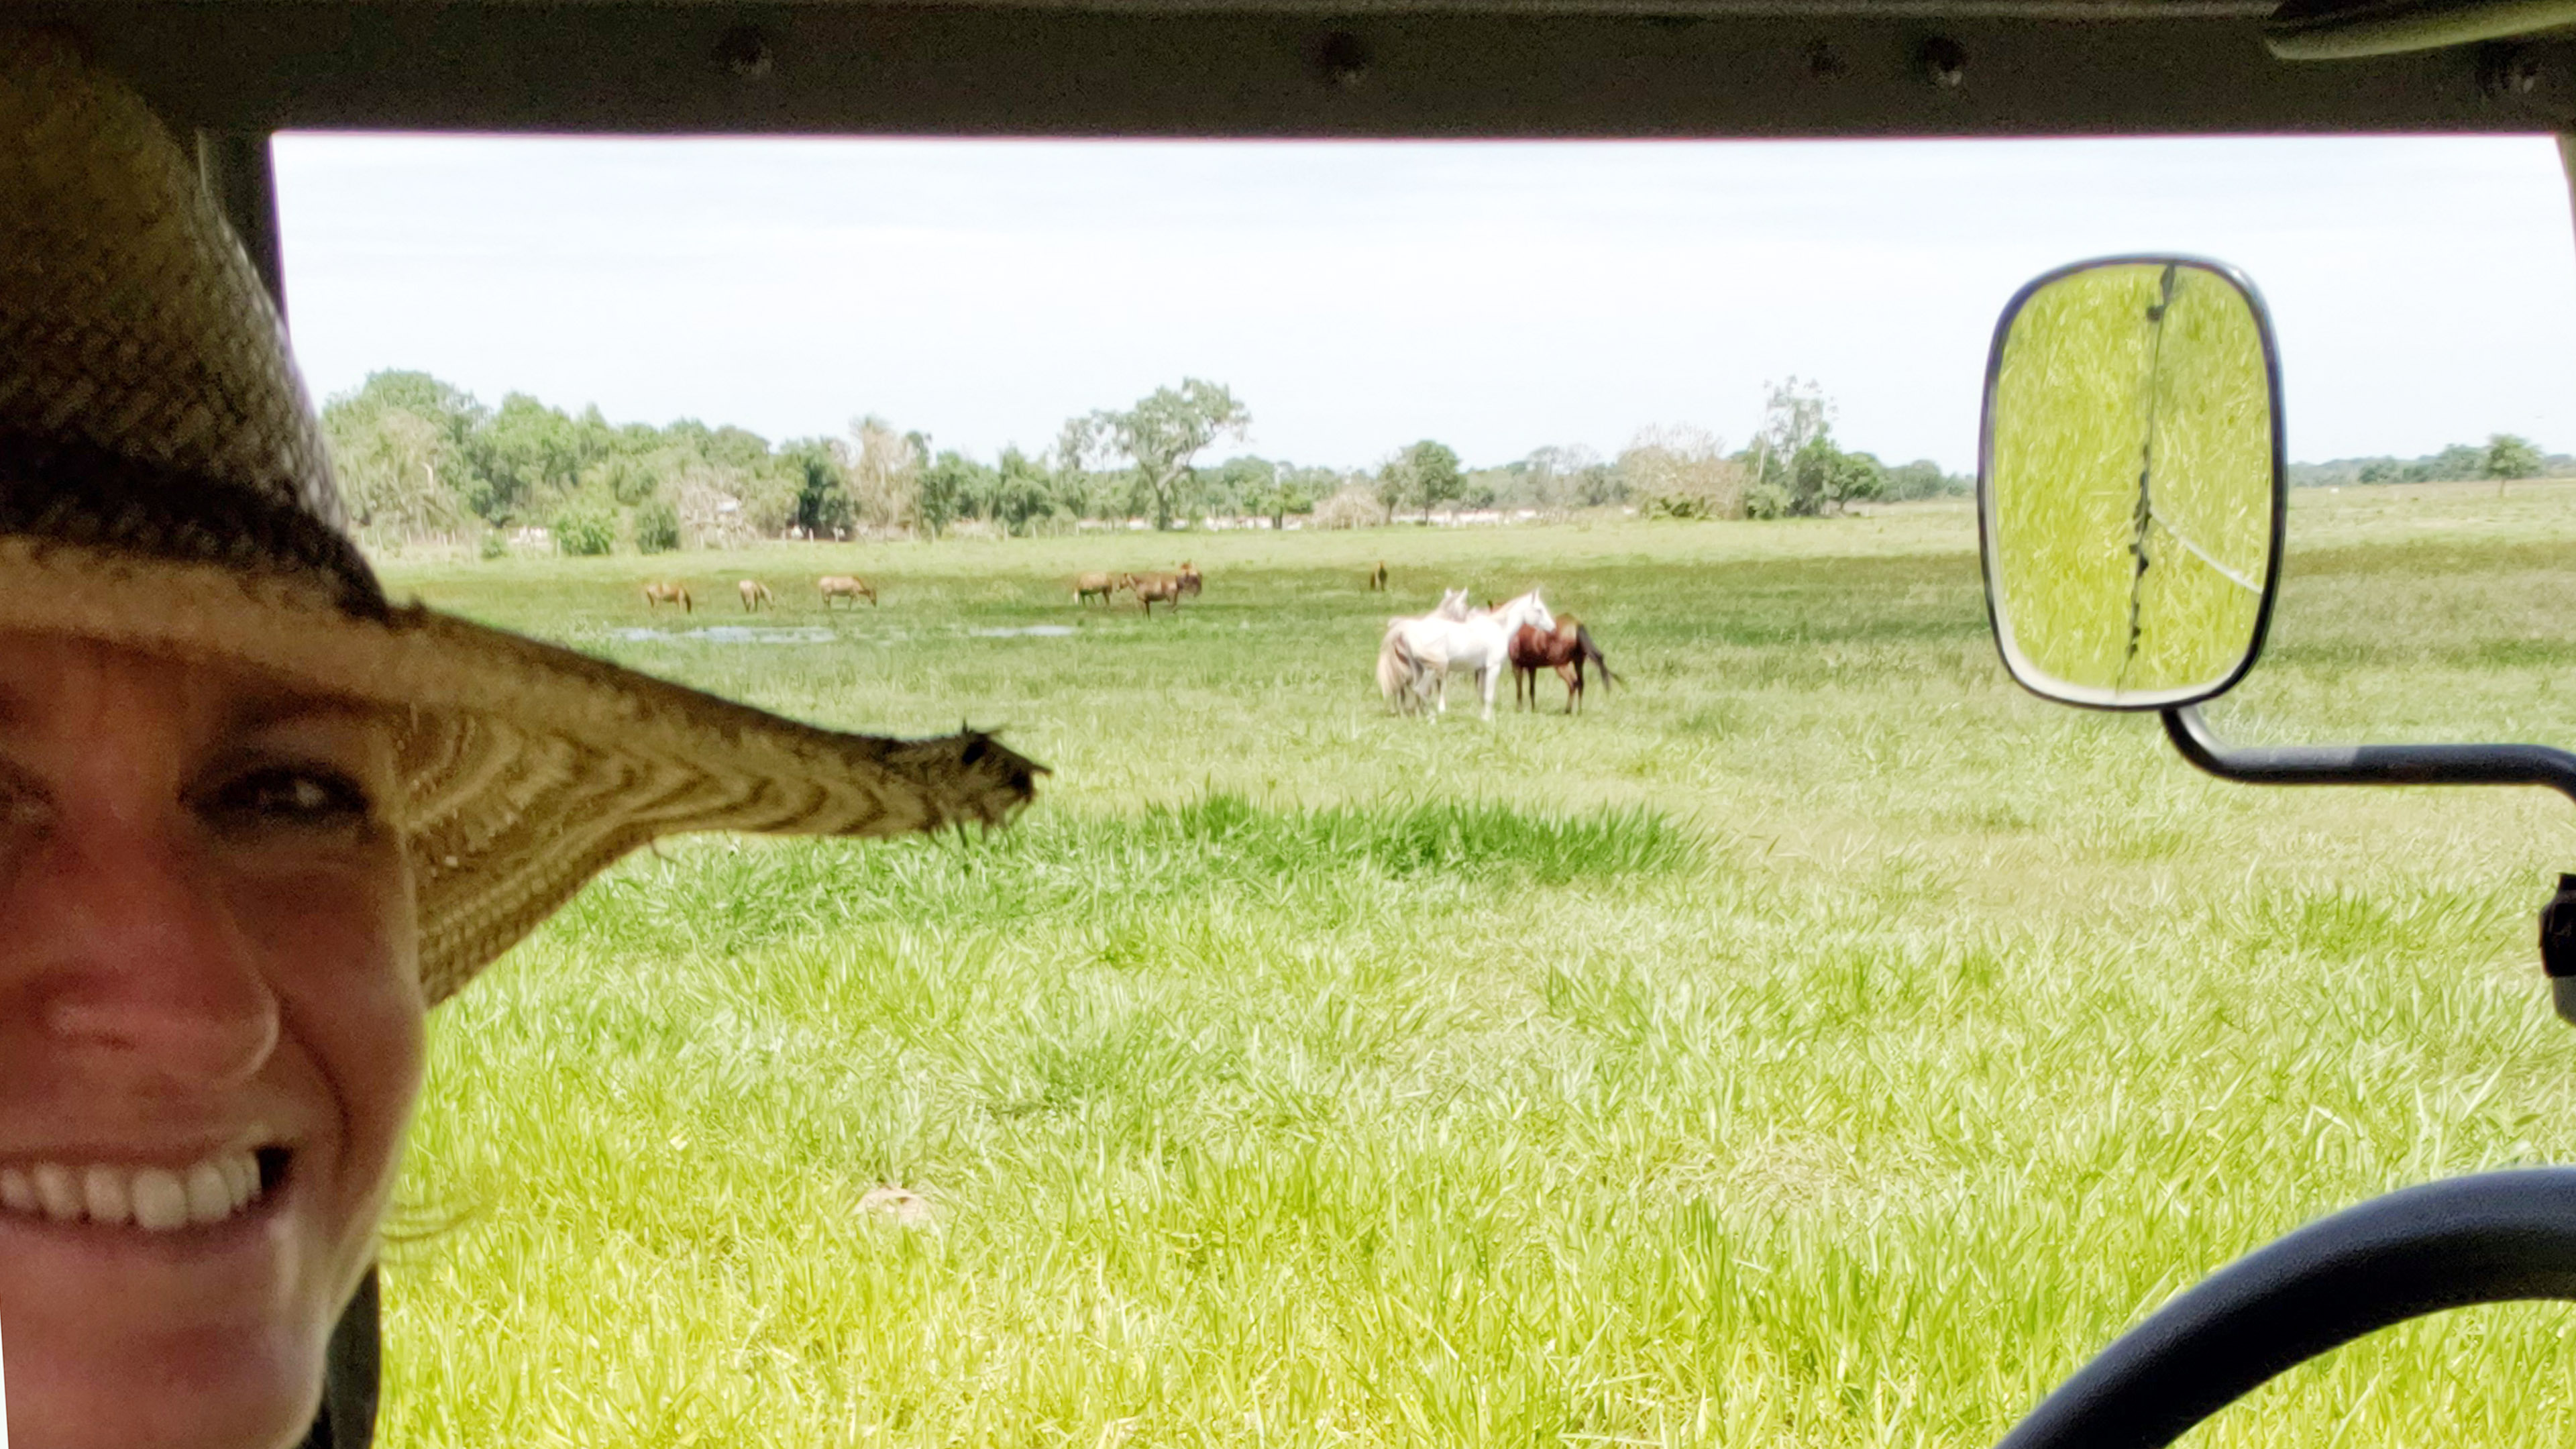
255,819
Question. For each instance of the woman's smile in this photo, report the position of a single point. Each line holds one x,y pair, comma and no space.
210,1037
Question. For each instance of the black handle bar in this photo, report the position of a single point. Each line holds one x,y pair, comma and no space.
2368,764
2494,1238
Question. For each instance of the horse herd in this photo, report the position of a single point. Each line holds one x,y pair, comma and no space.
755,594
1149,589
1414,661
1420,652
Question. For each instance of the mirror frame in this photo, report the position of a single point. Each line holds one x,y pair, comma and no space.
2014,662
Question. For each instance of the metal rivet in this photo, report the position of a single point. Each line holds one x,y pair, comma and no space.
745,52
1943,62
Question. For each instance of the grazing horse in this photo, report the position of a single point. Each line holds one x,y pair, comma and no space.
669,592
1102,585
844,586
1564,649
754,594
1189,577
1480,643
1401,676
1152,588
1377,578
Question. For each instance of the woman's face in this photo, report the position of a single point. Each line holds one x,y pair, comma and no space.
210,1039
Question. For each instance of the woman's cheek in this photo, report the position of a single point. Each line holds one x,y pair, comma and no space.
341,943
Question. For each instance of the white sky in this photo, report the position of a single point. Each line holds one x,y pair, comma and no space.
1358,296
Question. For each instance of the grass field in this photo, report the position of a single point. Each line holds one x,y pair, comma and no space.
1817,1043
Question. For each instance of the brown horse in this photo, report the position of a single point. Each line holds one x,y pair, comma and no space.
1189,578
1102,585
1565,651
669,592
1151,589
843,586
754,594
1377,578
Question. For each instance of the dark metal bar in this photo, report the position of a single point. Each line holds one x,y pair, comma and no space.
2368,764
2339,30
2501,1237
239,175
1265,68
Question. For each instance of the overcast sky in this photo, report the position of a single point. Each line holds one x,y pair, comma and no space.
1360,296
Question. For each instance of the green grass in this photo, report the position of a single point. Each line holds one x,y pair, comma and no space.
1819,1042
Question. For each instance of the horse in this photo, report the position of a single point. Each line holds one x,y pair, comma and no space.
1564,648
669,592
1149,588
1099,584
1190,579
1401,675
754,594
1377,578
1481,642
843,586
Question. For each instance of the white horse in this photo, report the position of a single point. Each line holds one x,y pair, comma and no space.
1481,642
1400,675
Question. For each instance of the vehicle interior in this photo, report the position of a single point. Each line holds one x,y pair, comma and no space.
235,71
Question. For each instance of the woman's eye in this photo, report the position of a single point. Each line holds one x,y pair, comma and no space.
294,796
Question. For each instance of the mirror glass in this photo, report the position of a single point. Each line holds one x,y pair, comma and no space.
2130,483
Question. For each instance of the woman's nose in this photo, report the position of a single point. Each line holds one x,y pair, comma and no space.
138,964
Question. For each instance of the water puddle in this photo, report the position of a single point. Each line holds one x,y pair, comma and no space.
1028,631
727,634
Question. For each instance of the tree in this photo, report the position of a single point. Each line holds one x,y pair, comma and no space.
1923,478
883,468
533,455
947,488
2509,456
2456,462
1159,437
1683,472
1794,414
1437,478
1020,492
822,491
402,446
657,527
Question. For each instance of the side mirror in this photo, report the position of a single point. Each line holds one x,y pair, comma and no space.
2130,493
2130,482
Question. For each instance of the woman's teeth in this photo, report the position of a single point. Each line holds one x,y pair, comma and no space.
155,1199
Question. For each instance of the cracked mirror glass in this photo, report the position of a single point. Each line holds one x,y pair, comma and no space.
2129,485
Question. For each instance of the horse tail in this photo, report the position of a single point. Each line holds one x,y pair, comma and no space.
1586,649
1393,667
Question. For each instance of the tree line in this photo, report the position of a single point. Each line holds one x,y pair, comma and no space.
2502,458
419,458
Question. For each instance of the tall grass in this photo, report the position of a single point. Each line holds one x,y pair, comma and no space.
1816,1043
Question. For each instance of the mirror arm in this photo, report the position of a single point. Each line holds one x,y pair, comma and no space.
2368,764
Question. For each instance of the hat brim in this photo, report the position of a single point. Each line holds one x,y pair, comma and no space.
527,768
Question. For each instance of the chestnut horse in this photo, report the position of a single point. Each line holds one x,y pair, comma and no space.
754,594
843,586
1189,578
1101,584
667,592
1150,589
1564,648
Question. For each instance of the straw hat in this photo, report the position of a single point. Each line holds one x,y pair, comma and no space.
163,486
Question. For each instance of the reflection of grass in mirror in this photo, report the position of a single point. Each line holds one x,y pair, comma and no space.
2091,390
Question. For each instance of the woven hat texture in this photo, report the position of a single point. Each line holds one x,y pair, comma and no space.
163,486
